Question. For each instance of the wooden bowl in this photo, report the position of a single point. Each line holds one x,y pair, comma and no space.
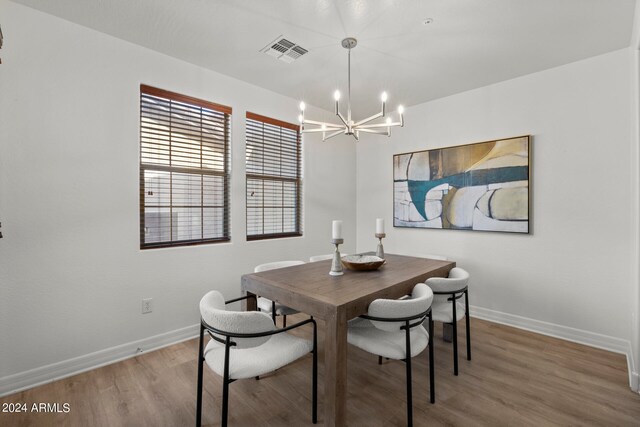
362,262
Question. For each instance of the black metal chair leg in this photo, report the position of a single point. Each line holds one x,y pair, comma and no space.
409,382
314,392
225,384
273,312
432,381
466,313
284,320
455,337
379,360
200,374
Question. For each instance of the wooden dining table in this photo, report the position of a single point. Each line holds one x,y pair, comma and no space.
336,299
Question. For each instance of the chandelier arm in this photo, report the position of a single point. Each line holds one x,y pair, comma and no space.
317,123
368,119
331,135
375,131
380,125
315,130
342,118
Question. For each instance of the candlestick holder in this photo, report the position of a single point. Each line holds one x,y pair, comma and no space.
380,250
336,264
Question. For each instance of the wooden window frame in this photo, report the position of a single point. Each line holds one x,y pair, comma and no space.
297,180
225,174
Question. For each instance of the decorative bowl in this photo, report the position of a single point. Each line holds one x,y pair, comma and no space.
362,262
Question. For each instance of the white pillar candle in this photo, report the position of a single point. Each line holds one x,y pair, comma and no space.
336,229
380,226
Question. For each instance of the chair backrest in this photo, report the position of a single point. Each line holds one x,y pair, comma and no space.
277,264
457,280
323,257
214,313
419,302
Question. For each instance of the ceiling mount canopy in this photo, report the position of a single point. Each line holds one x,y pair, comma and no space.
348,125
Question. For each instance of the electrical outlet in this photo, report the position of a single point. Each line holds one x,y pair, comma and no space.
147,305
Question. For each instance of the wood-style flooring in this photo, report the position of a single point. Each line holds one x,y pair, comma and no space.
516,378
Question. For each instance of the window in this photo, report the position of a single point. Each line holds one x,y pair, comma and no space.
273,178
184,170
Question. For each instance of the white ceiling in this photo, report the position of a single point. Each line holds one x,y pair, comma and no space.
470,44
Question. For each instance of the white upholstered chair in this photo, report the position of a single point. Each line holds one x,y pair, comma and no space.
246,344
272,307
446,308
323,257
393,329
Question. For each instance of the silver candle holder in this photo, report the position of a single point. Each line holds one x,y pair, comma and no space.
336,264
380,249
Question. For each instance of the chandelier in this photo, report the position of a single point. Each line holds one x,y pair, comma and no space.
348,125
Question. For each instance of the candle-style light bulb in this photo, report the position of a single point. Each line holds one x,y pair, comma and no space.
324,127
388,121
336,95
300,118
336,229
302,106
383,97
380,234
400,109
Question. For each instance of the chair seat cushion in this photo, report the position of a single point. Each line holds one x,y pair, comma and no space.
442,311
281,310
280,350
363,334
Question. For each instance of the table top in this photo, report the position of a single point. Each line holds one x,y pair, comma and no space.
310,289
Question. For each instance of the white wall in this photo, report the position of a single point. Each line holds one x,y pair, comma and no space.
635,93
71,272
573,276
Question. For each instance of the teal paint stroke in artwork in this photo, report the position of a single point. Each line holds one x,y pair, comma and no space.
419,189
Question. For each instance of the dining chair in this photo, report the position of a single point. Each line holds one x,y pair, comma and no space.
323,257
393,329
446,308
246,344
272,307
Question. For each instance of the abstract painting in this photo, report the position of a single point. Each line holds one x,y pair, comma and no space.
482,186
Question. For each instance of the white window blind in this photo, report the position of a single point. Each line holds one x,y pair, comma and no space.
184,170
274,182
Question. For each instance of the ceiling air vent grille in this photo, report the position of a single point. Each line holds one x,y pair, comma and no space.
284,50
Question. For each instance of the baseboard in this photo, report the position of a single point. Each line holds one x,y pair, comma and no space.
46,374
616,345
634,377
635,382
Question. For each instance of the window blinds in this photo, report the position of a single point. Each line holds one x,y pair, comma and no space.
184,169
273,178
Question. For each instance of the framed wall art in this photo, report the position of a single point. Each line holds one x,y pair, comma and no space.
482,186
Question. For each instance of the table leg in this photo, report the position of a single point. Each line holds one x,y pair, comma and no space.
249,304
447,332
335,369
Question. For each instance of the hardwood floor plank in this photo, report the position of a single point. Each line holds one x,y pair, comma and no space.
516,378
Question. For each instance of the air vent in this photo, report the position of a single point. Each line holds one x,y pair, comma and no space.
284,50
